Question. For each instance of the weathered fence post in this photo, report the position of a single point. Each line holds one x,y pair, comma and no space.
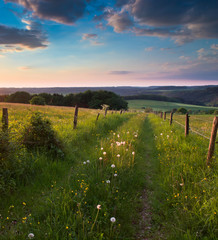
75,117
186,124
165,114
4,119
171,118
161,115
105,113
97,117
212,140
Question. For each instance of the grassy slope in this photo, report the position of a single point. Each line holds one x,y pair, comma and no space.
163,106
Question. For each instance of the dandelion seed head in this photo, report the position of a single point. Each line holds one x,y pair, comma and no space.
31,235
113,219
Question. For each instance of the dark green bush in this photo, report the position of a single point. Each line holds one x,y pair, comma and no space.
37,100
39,134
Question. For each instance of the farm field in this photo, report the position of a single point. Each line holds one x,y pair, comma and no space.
94,182
164,106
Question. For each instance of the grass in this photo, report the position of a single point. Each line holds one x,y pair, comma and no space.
94,191
60,199
185,199
164,106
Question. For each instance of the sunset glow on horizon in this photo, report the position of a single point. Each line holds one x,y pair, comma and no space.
79,43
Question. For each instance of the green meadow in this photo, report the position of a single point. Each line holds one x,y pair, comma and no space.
92,182
164,106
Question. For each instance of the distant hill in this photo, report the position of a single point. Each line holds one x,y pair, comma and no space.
202,95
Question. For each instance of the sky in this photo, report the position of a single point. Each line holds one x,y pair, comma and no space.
88,43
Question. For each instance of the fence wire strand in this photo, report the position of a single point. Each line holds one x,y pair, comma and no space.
191,129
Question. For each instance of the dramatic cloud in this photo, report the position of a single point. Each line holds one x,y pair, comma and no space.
120,21
183,21
21,38
120,72
64,11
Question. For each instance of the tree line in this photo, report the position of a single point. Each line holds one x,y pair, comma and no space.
88,99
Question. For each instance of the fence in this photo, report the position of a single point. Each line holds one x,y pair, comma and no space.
185,123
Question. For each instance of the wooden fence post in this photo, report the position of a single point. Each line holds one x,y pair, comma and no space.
121,111
186,124
4,119
161,115
97,117
212,140
105,112
165,114
75,117
171,118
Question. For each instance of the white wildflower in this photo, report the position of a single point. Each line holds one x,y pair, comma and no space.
113,219
88,161
102,148
100,158
118,155
104,153
108,181
31,235
115,174
84,163
133,153
98,206
113,166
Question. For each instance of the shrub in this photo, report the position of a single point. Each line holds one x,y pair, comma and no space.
182,110
37,100
39,134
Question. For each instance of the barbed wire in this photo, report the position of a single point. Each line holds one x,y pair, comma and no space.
199,133
191,129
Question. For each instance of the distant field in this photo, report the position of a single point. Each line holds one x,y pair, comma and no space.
164,106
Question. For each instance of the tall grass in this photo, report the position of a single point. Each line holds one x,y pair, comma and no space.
60,200
187,188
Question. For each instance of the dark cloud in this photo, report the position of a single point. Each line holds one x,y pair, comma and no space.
120,3
120,72
183,21
62,11
31,39
198,18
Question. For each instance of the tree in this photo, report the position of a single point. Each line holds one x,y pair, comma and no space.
19,97
37,100
182,110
